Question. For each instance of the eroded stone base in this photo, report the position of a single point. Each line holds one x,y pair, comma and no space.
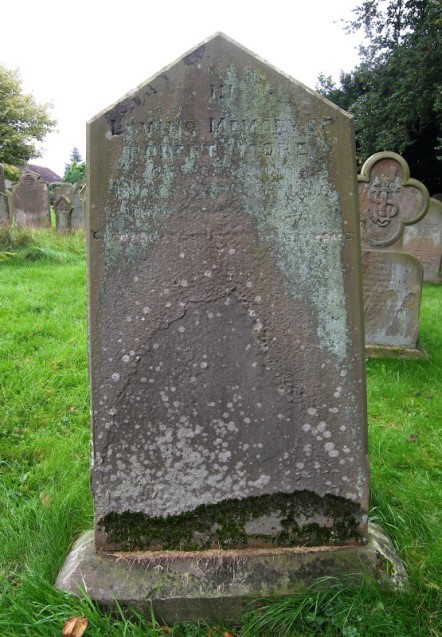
214,585
406,353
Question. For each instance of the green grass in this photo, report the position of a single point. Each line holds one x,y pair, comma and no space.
45,500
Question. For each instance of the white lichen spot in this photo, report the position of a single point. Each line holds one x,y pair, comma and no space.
181,329
306,427
343,373
334,453
322,425
203,365
329,446
232,251
257,299
312,411
300,465
249,284
208,273
146,309
115,377
125,358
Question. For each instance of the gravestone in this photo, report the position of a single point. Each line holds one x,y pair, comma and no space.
62,189
226,344
390,202
30,202
63,211
78,194
4,210
424,241
4,206
392,296
2,179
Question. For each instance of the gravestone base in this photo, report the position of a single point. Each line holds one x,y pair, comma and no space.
401,353
219,585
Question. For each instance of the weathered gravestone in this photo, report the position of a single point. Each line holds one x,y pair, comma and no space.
2,178
392,296
4,205
78,196
424,241
30,202
62,189
226,344
389,202
63,210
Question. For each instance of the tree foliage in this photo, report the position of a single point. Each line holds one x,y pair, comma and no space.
395,92
75,156
23,122
76,170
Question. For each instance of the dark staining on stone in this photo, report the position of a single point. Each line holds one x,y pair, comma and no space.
117,114
195,56
223,525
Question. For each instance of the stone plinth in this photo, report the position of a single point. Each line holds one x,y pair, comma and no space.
219,585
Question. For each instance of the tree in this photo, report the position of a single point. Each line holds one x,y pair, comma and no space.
76,170
395,92
75,156
23,122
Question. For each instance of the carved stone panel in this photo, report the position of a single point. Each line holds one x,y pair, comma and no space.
389,199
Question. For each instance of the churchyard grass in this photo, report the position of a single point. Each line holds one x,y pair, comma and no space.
44,463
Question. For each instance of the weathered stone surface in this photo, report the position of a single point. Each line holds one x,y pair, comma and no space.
78,197
424,241
2,179
63,210
4,209
389,200
226,345
62,189
30,202
392,296
214,585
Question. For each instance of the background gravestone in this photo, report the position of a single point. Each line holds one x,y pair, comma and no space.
2,179
226,344
389,202
4,206
392,296
63,211
30,202
77,217
62,188
424,241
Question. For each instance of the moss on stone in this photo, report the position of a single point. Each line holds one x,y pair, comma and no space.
223,525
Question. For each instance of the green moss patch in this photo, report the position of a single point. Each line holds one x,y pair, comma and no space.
224,525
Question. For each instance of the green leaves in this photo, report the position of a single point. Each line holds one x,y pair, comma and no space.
23,122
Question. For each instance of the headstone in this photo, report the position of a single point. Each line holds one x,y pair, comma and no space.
226,345
2,179
62,188
392,296
4,210
30,202
389,200
63,211
424,241
77,217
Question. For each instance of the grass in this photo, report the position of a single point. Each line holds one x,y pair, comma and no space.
45,500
